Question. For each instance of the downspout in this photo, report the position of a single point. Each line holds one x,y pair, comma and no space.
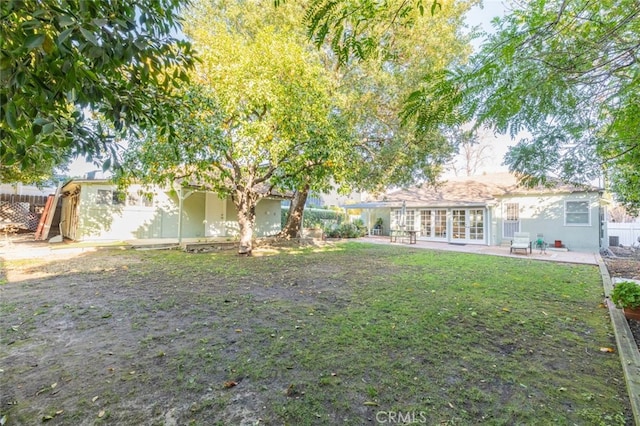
180,206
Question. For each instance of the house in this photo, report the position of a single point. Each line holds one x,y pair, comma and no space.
489,209
98,210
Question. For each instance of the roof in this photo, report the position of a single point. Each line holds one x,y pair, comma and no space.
466,191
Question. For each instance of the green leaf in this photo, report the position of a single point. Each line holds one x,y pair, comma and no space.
65,20
34,41
89,36
64,35
10,115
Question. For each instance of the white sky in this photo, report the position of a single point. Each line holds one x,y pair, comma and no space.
478,16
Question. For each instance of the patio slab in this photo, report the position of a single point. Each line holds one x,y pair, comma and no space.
550,255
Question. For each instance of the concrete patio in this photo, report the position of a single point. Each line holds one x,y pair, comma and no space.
551,254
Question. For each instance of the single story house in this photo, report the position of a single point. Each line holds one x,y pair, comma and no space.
98,210
489,209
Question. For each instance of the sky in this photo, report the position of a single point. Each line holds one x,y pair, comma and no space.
478,16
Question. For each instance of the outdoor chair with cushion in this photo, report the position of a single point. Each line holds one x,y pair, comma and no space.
520,241
541,244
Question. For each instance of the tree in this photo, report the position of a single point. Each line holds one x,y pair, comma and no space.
472,152
258,116
374,88
567,74
65,63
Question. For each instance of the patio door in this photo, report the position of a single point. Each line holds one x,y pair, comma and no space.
433,224
215,217
467,225
511,223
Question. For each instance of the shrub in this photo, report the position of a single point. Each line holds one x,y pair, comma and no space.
626,294
314,218
346,230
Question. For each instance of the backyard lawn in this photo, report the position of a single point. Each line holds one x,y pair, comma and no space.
347,333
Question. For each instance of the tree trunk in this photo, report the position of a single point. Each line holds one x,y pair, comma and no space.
246,202
293,225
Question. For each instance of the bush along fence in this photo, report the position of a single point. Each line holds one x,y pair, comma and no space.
331,222
315,218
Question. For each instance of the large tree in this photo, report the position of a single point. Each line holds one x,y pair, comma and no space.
394,49
258,118
567,75
65,63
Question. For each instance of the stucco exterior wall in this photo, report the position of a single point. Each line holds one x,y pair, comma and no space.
131,216
547,215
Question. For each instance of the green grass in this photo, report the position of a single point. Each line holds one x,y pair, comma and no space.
349,335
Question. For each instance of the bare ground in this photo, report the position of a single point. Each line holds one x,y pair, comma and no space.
625,263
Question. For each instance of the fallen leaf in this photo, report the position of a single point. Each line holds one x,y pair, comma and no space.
506,310
229,384
101,414
238,330
607,350
53,385
94,399
371,403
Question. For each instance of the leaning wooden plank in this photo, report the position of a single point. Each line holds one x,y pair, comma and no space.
43,218
54,204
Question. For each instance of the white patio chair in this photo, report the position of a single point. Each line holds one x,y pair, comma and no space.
521,241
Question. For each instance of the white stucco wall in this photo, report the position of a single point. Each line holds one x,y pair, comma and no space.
546,214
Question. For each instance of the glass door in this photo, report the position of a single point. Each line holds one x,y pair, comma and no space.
459,224
476,224
467,225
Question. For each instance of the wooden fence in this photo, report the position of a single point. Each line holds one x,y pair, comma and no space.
36,202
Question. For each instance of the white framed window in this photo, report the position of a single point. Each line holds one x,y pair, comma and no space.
109,197
104,197
410,220
511,222
140,199
512,212
577,213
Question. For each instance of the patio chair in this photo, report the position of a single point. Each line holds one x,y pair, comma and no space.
520,241
541,244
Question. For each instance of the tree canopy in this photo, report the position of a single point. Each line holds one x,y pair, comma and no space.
566,74
375,87
65,63
258,115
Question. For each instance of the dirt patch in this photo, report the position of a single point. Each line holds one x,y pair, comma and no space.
625,263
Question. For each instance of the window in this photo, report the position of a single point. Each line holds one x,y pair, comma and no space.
143,199
118,198
410,220
426,226
440,224
576,213
108,197
104,196
513,211
511,223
